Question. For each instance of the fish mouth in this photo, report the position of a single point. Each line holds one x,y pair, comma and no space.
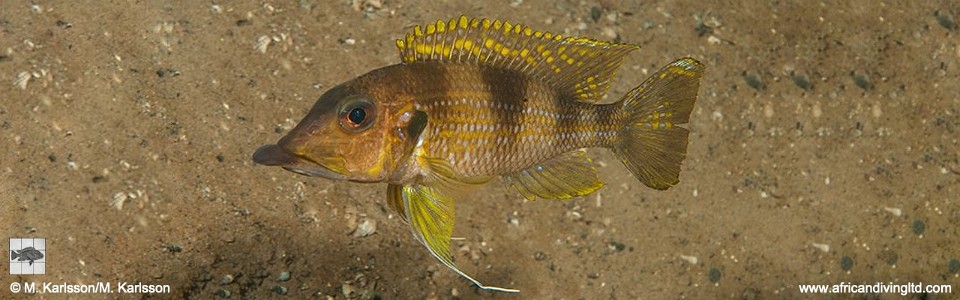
275,155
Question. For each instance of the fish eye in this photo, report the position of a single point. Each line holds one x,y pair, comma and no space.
356,114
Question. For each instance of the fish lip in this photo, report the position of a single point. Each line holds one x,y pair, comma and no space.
273,155
276,155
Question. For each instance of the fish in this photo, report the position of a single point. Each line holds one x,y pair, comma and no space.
29,253
475,99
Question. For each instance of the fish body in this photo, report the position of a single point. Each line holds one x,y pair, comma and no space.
473,100
29,253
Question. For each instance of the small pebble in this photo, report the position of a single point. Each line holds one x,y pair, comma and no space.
617,246
227,279
119,198
539,256
595,13
893,210
280,290
284,276
946,20
21,80
919,227
846,263
753,80
222,293
262,43
822,247
714,275
862,81
802,81
609,32
347,289
365,228
954,266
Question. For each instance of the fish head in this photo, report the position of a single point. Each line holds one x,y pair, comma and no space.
349,134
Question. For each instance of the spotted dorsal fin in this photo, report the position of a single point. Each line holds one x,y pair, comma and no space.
582,67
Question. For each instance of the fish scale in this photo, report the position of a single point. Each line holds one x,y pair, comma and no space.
466,120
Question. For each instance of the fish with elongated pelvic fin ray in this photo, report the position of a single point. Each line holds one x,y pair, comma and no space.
474,99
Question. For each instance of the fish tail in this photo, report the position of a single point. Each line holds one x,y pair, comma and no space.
13,255
651,144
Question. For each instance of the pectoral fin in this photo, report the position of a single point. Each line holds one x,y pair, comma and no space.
566,176
429,210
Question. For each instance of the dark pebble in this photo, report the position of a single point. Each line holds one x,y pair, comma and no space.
280,290
919,227
616,246
220,157
846,263
753,80
701,28
862,81
802,81
52,158
595,13
174,248
954,266
223,293
946,20
714,275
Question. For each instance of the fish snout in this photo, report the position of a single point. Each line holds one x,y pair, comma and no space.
273,155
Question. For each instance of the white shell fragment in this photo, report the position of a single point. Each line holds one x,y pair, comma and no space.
262,42
893,210
822,247
365,228
22,79
118,199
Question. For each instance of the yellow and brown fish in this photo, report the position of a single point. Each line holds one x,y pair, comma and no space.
473,99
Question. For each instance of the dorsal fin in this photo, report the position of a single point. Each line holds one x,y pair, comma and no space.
583,67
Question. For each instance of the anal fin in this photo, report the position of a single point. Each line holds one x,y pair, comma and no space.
566,176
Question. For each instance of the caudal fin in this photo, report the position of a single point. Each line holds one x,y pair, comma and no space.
13,255
651,145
